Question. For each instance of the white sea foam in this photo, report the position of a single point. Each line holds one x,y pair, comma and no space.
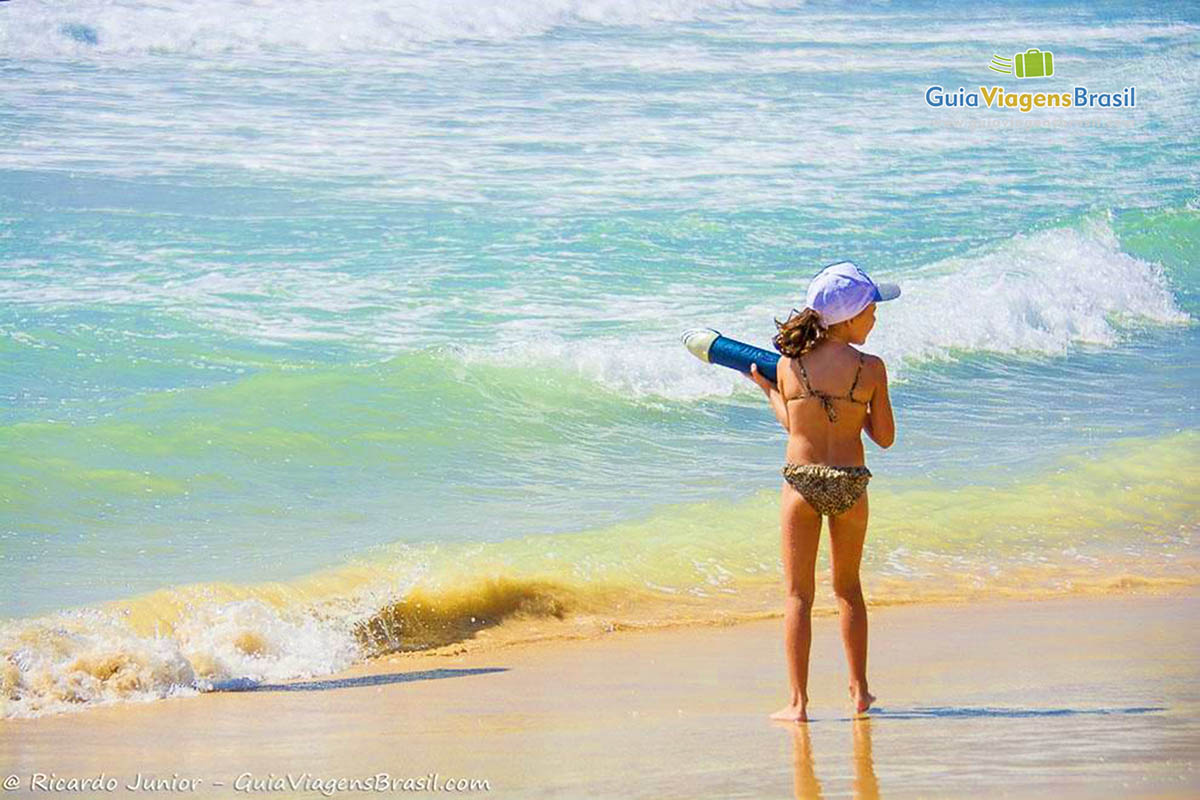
548,125
72,660
1039,292
76,659
196,638
132,26
91,27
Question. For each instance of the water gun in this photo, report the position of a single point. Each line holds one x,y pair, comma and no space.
710,346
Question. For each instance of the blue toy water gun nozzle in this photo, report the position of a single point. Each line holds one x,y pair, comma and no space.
710,346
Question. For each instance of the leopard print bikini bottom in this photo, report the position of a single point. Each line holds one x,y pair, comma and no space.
829,490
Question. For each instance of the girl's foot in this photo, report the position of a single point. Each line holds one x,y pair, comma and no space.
792,713
862,700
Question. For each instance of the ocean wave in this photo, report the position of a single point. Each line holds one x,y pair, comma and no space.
134,26
1042,292
1120,518
1039,292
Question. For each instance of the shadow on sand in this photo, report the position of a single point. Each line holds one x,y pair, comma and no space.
944,712
247,685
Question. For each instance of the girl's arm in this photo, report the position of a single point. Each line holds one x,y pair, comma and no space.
772,393
880,424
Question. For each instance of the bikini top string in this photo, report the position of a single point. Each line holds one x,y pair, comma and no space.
853,386
827,399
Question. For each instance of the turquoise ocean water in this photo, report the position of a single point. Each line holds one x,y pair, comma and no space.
330,331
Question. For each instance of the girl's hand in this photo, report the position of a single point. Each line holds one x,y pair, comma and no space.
762,382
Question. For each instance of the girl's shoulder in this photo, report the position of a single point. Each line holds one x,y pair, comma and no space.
873,361
874,371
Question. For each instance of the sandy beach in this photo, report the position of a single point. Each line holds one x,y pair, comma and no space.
357,439
1092,696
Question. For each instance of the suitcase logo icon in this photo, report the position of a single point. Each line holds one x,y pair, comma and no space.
1033,63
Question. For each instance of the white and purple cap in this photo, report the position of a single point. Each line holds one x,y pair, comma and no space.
840,291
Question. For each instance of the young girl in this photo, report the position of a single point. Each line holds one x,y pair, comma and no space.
828,393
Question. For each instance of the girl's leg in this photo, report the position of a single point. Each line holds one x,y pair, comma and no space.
801,527
847,532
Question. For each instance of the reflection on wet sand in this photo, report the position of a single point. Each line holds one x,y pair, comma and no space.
806,784
866,785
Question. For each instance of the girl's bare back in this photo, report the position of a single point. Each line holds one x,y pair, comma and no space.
826,427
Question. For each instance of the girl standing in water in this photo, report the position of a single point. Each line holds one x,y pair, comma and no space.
825,473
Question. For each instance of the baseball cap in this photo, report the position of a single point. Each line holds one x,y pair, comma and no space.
840,291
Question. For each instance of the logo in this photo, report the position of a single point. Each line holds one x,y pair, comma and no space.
1033,63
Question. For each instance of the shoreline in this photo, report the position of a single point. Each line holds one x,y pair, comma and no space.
1053,697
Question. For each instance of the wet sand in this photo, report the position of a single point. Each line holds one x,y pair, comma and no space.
1094,696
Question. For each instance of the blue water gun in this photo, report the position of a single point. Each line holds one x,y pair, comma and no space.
710,346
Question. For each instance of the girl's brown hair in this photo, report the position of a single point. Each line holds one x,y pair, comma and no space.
798,333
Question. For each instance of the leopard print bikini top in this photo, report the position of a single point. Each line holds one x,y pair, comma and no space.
826,398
